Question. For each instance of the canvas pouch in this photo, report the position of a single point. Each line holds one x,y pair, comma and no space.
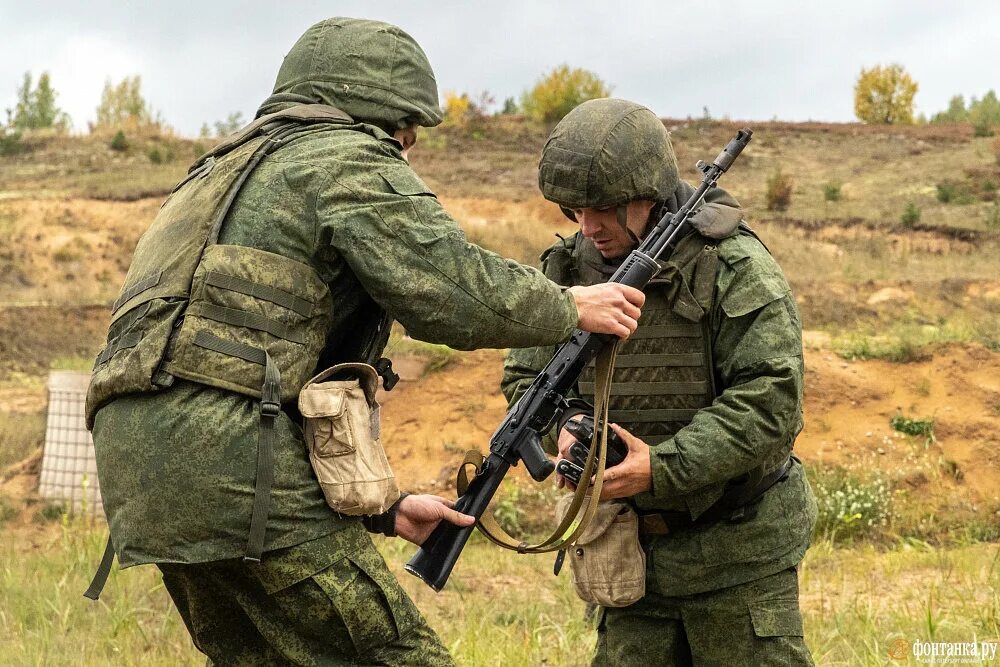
342,432
607,561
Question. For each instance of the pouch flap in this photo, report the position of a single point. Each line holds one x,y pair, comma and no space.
327,399
366,377
607,512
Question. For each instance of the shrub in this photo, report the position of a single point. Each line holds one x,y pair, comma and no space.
884,95
10,141
911,215
849,507
119,142
946,191
779,191
831,191
158,154
914,427
560,91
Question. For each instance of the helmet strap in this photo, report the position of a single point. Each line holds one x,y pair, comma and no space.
621,213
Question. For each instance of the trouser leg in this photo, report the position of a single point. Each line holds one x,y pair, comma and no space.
287,611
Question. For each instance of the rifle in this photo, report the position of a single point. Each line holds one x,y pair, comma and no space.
519,436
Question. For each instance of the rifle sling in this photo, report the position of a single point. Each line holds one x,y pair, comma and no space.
586,498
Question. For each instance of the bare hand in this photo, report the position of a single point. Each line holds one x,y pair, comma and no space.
633,475
608,308
418,515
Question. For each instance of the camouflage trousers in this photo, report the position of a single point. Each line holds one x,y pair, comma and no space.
756,623
285,611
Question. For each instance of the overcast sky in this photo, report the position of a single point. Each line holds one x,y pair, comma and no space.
756,60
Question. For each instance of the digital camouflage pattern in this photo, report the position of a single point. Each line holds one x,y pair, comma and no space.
724,591
757,623
336,200
371,70
757,359
330,601
627,156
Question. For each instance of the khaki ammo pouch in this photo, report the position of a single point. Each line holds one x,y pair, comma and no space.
607,560
342,434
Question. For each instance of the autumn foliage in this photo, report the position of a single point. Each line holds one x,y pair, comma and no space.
885,95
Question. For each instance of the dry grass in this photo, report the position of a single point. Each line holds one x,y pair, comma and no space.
497,608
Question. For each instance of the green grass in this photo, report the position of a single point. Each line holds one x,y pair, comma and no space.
498,608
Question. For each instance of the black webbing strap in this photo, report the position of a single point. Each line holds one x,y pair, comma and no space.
266,292
652,416
103,571
657,360
270,406
246,319
146,282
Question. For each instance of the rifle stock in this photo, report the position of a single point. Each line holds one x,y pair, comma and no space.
518,438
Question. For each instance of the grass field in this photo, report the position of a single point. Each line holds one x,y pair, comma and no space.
498,609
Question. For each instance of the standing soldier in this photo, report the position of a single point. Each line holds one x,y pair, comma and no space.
290,248
707,394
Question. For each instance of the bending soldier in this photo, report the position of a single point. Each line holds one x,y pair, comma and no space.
707,395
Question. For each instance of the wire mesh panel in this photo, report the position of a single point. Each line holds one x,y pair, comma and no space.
69,469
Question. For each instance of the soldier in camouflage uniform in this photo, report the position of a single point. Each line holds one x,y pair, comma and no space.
707,394
289,248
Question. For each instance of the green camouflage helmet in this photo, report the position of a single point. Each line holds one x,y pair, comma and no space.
607,152
372,70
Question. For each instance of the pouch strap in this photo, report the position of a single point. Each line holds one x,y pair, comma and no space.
103,570
270,407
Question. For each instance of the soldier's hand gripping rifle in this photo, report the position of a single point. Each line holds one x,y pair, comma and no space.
518,438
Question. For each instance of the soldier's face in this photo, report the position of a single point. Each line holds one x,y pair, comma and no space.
600,225
407,137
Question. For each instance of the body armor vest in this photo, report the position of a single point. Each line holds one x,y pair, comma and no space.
663,373
216,314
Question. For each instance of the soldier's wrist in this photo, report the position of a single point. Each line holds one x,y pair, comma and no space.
384,523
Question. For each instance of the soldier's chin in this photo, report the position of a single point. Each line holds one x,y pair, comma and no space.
608,250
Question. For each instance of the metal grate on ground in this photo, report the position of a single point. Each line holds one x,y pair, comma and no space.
69,469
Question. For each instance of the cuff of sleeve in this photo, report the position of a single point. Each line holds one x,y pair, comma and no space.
384,523
573,311
659,490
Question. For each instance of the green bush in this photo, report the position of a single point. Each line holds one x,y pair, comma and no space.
158,154
914,427
10,142
119,142
946,192
911,215
779,191
982,129
560,91
850,508
831,191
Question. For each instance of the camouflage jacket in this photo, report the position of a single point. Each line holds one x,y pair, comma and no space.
177,466
757,362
